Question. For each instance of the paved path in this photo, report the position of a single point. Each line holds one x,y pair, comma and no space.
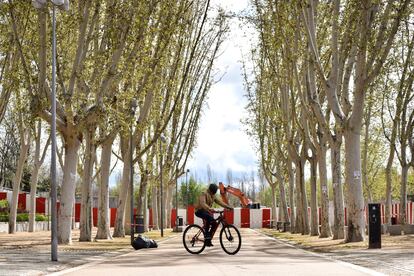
259,255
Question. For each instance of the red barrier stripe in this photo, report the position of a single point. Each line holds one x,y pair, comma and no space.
190,214
112,217
41,205
95,216
77,212
265,217
229,216
245,217
3,195
173,217
21,203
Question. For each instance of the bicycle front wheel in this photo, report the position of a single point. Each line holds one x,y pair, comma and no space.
230,239
193,239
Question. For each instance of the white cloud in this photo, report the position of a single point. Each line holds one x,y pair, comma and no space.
222,142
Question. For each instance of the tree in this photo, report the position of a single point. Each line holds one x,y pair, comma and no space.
38,159
368,63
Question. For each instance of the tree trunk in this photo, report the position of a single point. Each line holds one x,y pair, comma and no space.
141,194
323,181
33,187
67,197
299,207
127,225
103,200
314,204
274,204
119,230
169,200
87,197
303,197
34,179
154,198
403,194
159,208
24,147
354,197
283,203
339,215
145,208
365,154
291,196
388,191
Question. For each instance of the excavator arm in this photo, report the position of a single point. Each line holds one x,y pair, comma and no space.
245,201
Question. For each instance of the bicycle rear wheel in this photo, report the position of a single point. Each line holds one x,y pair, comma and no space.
193,239
230,239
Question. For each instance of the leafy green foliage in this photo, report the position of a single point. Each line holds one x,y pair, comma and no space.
4,204
192,192
22,217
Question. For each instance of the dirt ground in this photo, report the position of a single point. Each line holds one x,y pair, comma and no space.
329,245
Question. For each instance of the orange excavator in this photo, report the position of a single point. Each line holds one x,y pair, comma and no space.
244,200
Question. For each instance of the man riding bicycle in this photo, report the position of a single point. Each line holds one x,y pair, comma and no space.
204,210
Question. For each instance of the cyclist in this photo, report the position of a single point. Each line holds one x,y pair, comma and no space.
204,210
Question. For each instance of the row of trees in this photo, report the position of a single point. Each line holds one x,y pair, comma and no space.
332,77
128,72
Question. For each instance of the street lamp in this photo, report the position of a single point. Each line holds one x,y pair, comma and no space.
64,5
131,176
161,140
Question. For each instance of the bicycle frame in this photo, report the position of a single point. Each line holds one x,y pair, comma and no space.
220,220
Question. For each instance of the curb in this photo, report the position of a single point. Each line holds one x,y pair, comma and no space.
350,265
103,259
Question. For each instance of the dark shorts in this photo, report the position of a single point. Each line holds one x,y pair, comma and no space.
206,215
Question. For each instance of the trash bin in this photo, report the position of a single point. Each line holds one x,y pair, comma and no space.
180,221
393,220
139,224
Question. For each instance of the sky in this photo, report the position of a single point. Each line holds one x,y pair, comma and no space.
222,141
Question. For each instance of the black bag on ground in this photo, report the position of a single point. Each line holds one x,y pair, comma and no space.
143,242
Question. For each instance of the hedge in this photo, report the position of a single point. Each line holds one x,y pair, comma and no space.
4,217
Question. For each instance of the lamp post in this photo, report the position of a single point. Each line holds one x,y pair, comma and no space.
162,140
131,176
62,4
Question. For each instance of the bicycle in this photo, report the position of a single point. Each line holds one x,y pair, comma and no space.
194,237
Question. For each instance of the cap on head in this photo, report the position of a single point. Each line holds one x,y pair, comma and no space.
213,188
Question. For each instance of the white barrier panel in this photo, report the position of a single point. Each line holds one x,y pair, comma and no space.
198,220
9,197
256,218
183,213
237,217
27,202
